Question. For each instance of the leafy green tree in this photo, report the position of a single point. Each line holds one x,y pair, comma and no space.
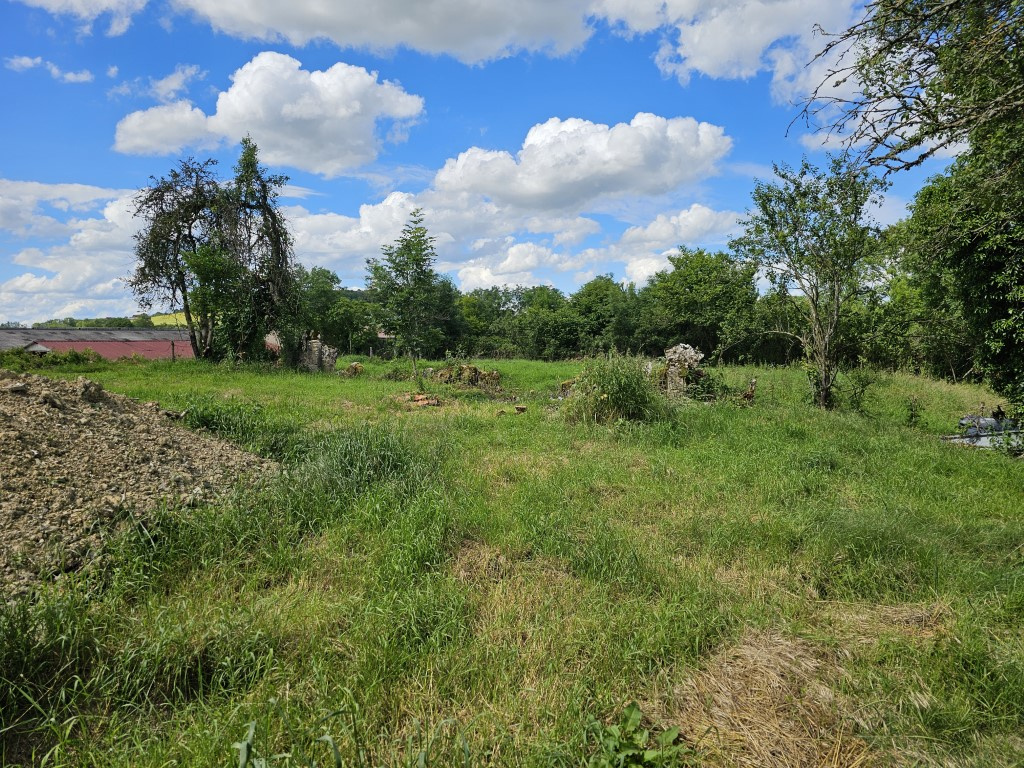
706,299
968,246
810,231
938,75
351,324
179,217
219,252
416,304
607,315
486,312
252,230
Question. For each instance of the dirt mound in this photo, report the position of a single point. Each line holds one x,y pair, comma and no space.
74,460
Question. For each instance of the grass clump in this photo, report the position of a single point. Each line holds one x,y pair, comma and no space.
615,388
247,424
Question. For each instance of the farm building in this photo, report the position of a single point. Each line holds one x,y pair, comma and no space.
109,343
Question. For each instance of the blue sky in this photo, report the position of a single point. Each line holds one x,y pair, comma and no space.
548,141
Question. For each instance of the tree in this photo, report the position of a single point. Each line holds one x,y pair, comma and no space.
811,231
256,236
178,214
968,247
926,74
931,75
219,252
705,299
417,305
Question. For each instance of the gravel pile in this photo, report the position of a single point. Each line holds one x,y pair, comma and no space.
75,460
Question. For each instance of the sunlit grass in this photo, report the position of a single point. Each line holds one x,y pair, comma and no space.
466,579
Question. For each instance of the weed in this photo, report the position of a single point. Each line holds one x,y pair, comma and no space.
627,744
913,411
615,388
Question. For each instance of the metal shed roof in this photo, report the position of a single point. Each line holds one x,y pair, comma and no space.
14,338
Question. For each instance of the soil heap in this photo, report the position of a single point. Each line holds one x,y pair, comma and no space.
74,459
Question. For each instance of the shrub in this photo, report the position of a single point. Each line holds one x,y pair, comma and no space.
615,388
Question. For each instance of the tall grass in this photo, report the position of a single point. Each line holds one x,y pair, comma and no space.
615,388
459,585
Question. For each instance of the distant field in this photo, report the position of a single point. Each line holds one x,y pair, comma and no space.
464,585
175,318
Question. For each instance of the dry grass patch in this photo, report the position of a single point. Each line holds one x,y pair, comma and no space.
865,623
766,703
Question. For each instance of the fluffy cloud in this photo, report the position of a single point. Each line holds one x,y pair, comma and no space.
645,250
26,206
23,63
120,11
325,122
166,129
80,276
568,164
470,30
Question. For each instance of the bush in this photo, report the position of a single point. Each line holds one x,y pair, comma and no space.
21,361
615,388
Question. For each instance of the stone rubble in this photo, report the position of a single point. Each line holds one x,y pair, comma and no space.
75,461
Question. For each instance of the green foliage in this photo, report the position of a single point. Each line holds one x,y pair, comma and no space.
416,304
626,743
21,361
811,231
221,252
615,388
966,243
706,300
606,312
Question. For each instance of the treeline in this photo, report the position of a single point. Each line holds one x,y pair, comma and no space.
137,321
707,299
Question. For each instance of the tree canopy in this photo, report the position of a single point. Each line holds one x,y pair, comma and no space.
915,77
220,252
810,231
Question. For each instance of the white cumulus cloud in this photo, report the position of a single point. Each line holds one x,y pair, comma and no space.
325,122
567,164
81,275
28,208
471,30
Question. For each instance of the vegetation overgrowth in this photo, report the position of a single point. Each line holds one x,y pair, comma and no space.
467,585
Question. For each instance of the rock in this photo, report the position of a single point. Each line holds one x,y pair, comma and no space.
317,357
679,361
90,391
520,409
48,398
18,388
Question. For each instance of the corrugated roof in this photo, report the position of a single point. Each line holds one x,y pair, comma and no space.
113,350
15,338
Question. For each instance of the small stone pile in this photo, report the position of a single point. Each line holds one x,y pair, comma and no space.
75,459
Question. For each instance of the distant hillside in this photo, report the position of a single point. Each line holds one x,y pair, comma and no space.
175,318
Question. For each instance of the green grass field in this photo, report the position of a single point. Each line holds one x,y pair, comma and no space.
464,585
174,318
